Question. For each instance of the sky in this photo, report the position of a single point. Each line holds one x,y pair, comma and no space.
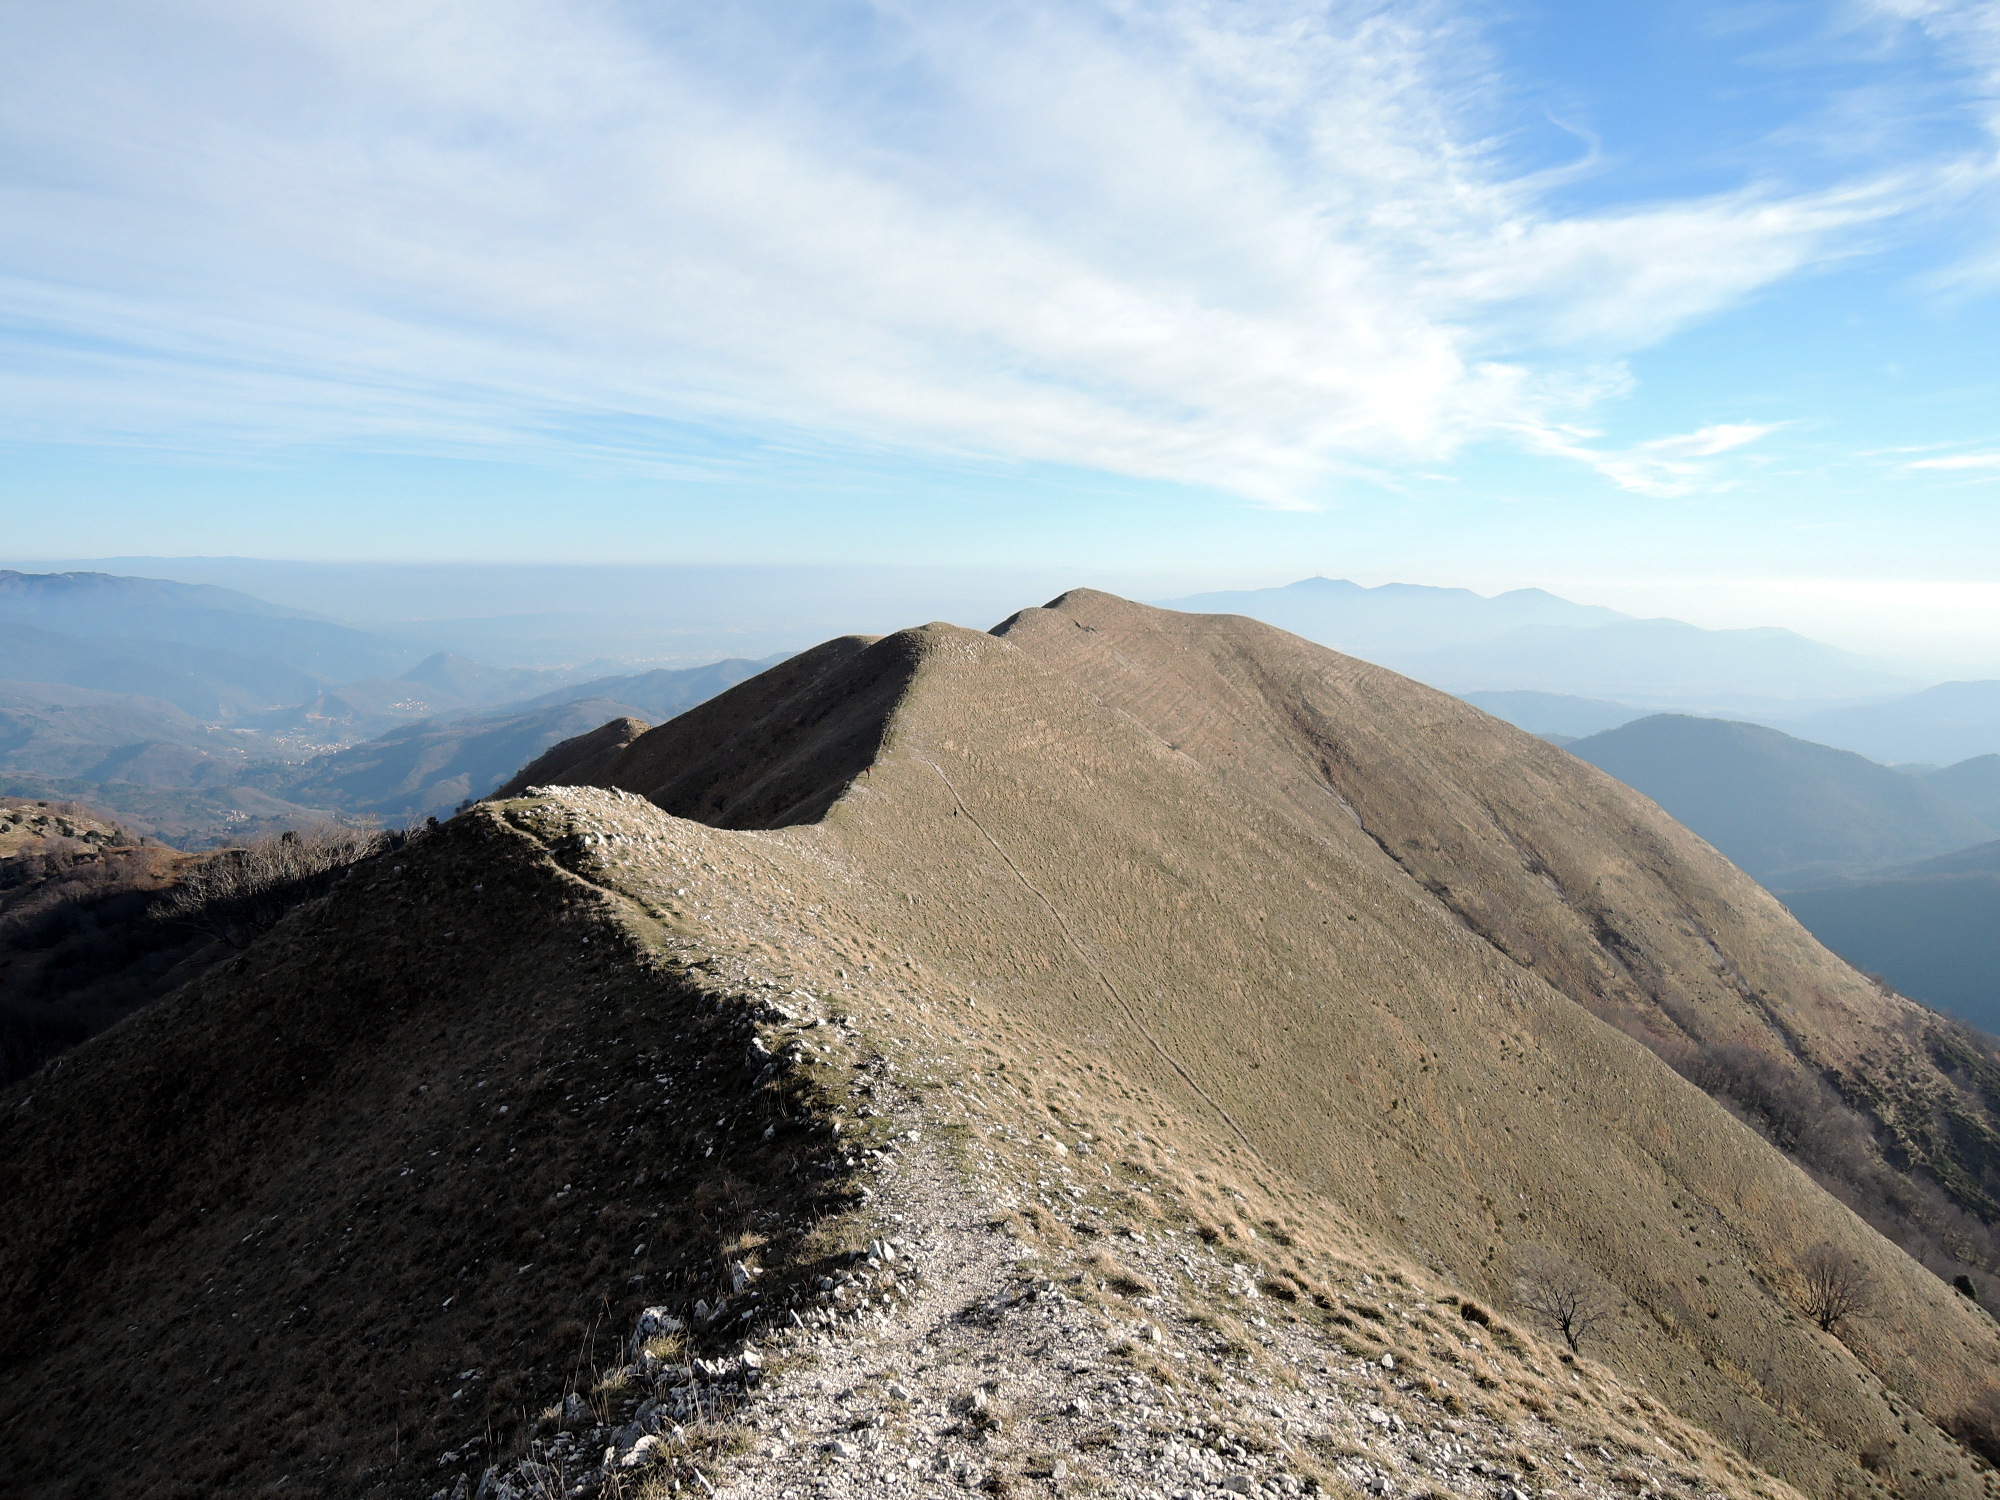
1687,308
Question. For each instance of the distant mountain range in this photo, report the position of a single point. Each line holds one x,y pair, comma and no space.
1932,929
1562,716
428,768
1952,723
1397,618
1532,641
144,687
198,713
1787,811
137,613
1896,871
95,743
1949,722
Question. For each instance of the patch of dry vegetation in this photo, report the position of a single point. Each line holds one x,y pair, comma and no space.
487,1129
76,948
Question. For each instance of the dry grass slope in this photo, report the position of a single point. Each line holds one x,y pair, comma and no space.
1331,975
1334,926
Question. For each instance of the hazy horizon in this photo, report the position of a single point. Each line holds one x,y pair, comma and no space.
748,609
1685,310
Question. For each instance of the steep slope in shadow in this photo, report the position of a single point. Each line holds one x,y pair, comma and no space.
581,760
377,1183
779,748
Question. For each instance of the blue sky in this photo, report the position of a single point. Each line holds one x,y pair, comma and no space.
1687,308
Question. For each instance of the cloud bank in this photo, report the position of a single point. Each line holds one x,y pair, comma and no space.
1264,247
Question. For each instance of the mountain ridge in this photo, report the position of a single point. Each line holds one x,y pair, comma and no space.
1333,976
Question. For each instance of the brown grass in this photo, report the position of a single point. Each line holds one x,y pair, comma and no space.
251,1196
1255,917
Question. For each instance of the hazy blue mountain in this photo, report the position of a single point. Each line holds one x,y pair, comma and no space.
216,686
429,768
473,682
48,729
1973,785
1789,812
98,606
1980,859
1556,716
1397,617
1533,641
550,614
77,600
1933,936
450,687
124,694
352,711
1655,662
1953,721
661,694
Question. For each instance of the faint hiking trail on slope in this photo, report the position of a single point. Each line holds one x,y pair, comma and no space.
1095,968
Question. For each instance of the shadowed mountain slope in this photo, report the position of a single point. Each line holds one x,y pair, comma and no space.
783,746
581,760
377,1160
1973,785
76,949
1931,929
1313,962
1788,811
1936,937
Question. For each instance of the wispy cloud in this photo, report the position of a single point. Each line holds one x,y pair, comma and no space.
1258,247
1662,467
1960,461
1964,35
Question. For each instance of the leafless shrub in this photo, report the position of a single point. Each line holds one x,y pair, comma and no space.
1562,1294
1747,1426
1836,1287
237,895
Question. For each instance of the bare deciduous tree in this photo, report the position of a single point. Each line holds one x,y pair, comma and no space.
1562,1294
238,894
1836,1287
